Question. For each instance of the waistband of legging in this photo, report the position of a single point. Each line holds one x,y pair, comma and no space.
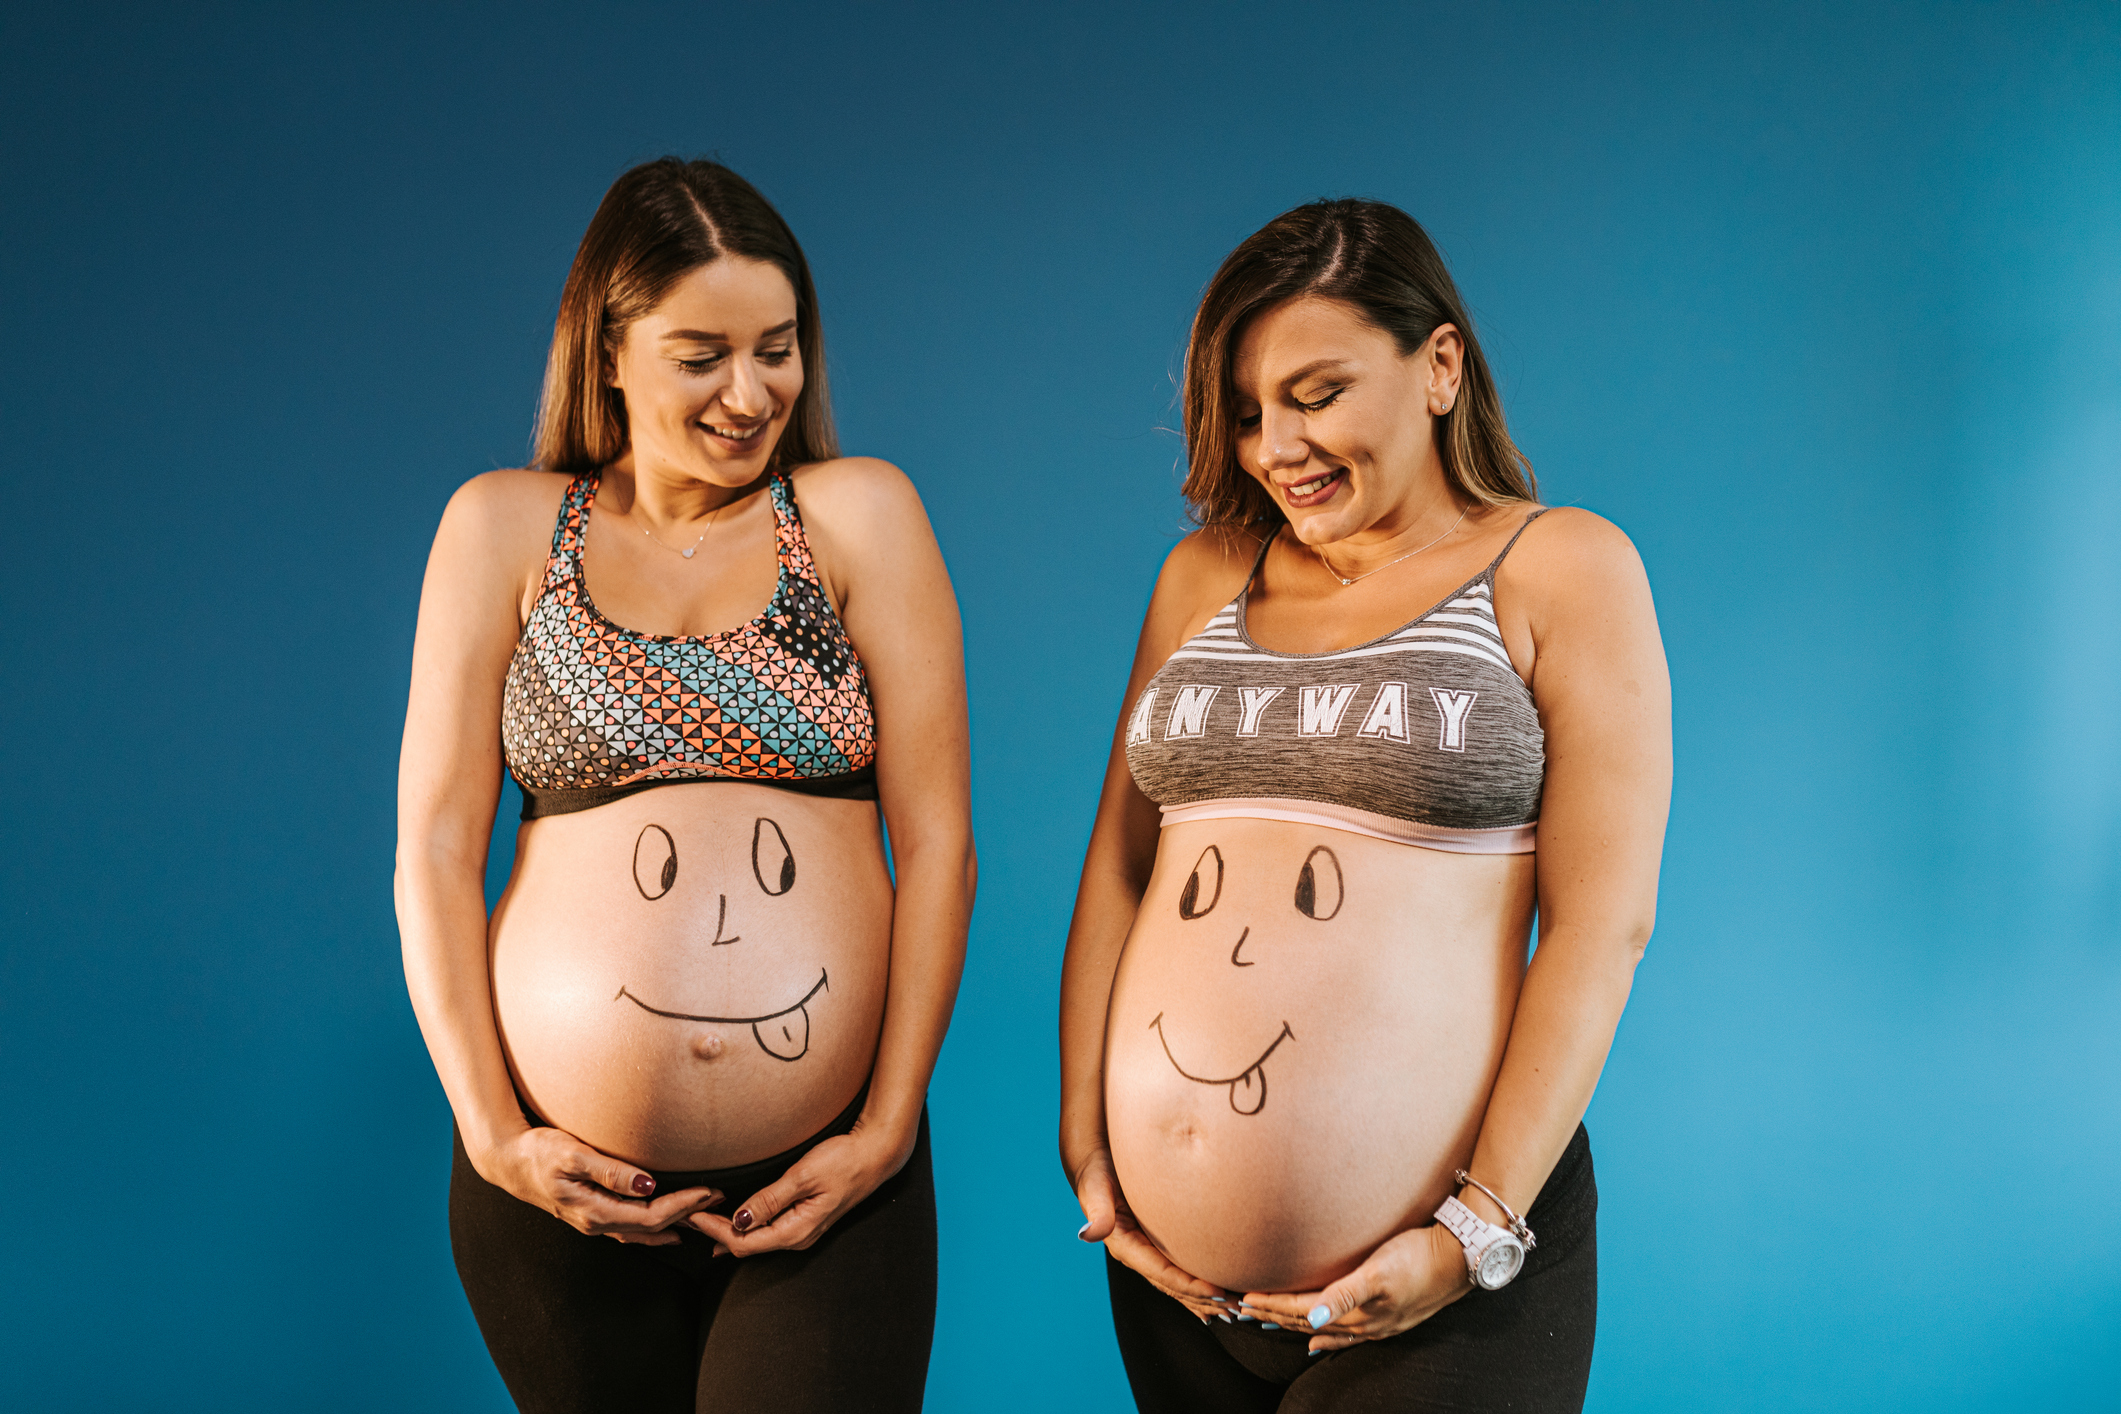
743,1180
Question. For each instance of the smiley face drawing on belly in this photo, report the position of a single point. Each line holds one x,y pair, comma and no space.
783,1034
1320,889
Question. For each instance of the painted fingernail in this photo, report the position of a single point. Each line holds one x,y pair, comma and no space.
1243,1317
1314,1352
1268,1326
643,1185
1083,1232
1320,1317
1225,1315
743,1220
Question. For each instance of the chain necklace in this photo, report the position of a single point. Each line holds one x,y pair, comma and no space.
687,551
1345,581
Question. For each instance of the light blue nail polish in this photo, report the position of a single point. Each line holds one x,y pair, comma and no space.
1243,1317
1320,1317
1268,1326
1225,1315
1083,1229
1314,1352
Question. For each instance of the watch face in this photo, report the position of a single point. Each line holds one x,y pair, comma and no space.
1500,1262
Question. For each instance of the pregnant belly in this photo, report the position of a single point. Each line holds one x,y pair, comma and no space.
693,977
1303,1032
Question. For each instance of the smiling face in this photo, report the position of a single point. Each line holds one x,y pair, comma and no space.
783,1034
1336,424
1317,893
711,375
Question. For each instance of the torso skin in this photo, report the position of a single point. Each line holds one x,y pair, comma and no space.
588,937
1387,1023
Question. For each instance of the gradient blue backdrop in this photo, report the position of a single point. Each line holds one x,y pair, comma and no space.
1821,303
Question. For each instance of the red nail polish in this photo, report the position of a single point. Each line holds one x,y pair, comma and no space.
643,1185
742,1221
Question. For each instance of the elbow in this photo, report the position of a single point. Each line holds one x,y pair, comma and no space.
1635,936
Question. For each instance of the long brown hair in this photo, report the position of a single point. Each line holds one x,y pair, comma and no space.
658,223
1377,258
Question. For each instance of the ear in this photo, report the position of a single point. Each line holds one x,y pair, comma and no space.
1447,363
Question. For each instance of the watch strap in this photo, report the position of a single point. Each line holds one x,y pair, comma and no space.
1473,1231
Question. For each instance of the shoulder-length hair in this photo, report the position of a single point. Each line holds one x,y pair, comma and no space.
658,223
1377,258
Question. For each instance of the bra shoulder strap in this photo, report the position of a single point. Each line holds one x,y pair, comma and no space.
573,519
1496,563
1259,560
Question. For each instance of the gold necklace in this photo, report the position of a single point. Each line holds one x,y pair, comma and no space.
687,551
1345,581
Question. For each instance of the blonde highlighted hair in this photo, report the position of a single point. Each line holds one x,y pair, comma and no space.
659,222
1378,259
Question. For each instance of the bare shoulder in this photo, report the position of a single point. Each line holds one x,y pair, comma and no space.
1209,564
1570,552
1202,573
847,494
497,508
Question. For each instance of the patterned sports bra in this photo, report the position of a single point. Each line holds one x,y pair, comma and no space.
593,711
1425,736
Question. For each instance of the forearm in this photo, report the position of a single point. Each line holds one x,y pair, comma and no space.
442,927
1567,1012
937,879
1104,913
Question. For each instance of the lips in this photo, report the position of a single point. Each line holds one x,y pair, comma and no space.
1315,489
783,1034
736,436
1248,1088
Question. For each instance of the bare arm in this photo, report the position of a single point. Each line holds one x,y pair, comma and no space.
1604,699
487,556
875,545
1200,575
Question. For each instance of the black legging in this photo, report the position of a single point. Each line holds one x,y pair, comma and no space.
578,1323
1525,1348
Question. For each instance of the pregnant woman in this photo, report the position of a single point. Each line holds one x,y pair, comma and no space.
1386,708
689,1051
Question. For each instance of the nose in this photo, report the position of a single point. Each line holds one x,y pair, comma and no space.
1281,440
746,396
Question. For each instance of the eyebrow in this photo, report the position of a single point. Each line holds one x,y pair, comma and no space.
701,336
1316,365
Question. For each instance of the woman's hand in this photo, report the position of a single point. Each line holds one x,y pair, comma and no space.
589,1191
1111,1222
819,1188
1403,1283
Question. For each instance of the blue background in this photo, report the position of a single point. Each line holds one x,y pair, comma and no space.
1821,303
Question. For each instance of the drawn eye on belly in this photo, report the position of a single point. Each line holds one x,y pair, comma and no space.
1248,1088
1207,876
1319,886
655,862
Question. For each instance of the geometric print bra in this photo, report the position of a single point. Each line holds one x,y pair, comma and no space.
1424,736
593,711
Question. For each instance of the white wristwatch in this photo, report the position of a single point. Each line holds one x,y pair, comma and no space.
1494,1254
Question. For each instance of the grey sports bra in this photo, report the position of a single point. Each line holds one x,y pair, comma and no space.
1425,736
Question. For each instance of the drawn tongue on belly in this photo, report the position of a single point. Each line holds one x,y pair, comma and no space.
1248,1089
785,1037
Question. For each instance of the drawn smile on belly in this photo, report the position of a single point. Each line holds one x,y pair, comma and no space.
1320,888
1248,1088
783,1034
